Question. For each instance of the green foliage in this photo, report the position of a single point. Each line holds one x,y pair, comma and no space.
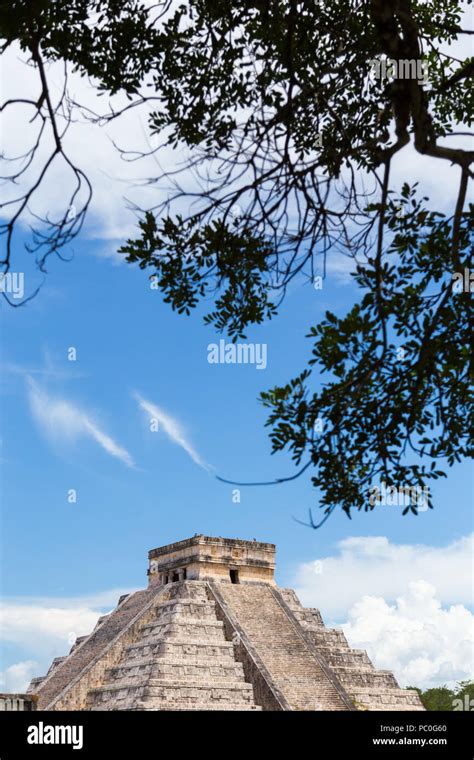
185,260
448,700
107,39
395,373
290,143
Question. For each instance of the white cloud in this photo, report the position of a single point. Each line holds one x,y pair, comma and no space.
172,428
422,643
373,565
406,604
91,147
63,421
45,628
17,677
42,629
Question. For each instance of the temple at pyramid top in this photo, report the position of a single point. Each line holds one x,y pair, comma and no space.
207,557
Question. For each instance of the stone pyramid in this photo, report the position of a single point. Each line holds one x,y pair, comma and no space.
213,632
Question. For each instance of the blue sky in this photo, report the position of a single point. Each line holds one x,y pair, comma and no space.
63,562
127,341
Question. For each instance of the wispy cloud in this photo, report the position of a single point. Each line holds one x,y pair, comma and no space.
172,428
49,372
61,420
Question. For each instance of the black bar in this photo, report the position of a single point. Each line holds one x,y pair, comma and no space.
312,734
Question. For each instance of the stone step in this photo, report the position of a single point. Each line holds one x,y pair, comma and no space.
181,647
308,617
329,637
186,612
135,657
34,684
366,677
189,692
55,664
291,598
159,693
183,604
191,683
77,642
205,706
346,660
103,618
175,669
185,646
195,590
139,706
184,628
386,699
342,657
